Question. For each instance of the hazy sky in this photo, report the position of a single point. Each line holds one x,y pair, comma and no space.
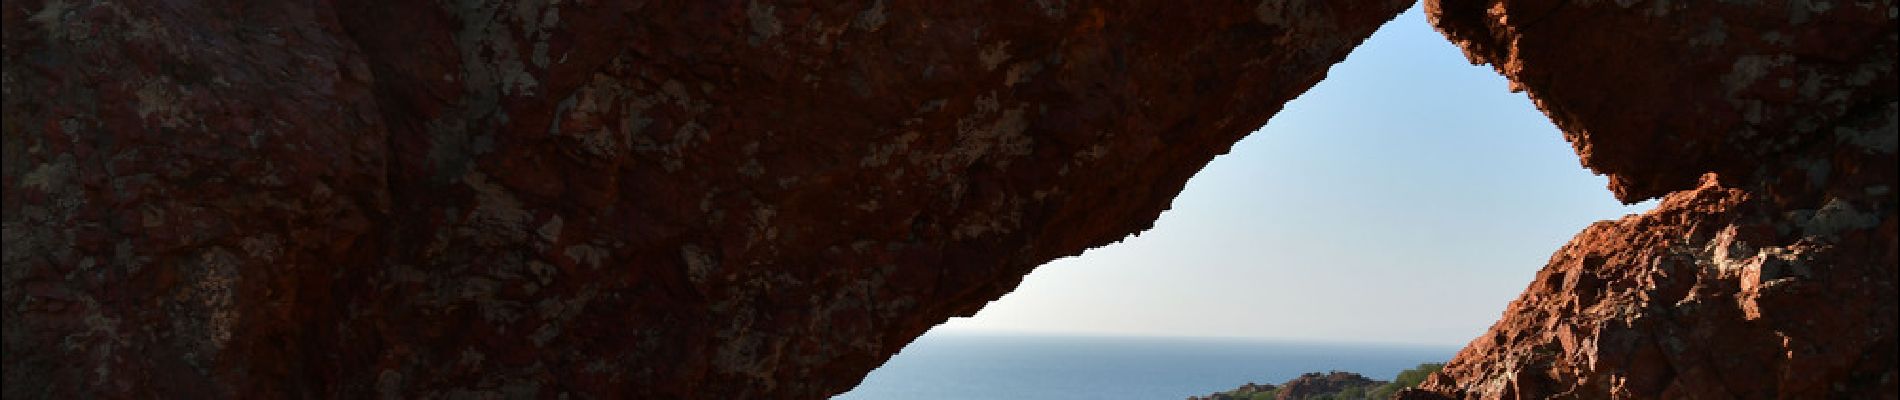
1405,199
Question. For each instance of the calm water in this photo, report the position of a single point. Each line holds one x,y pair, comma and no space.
989,366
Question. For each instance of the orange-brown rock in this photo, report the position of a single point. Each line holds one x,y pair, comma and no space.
590,199
1772,278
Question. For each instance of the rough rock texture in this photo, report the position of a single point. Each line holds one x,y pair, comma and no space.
1775,275
605,199
1655,93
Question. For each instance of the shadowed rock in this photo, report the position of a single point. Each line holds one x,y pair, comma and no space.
610,199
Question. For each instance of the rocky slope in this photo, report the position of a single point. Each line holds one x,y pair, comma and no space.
599,199
1768,270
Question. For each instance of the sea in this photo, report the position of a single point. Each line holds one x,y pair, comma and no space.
974,365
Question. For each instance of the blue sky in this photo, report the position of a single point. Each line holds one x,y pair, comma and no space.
1405,199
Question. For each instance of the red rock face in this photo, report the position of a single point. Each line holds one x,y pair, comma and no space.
1774,278
657,199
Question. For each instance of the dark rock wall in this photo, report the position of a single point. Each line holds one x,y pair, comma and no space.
721,199
193,193
1655,93
1771,278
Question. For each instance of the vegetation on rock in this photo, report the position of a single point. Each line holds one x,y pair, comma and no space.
1335,385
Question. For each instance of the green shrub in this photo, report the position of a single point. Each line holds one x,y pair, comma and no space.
1406,379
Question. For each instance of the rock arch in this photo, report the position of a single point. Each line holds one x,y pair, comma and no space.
761,199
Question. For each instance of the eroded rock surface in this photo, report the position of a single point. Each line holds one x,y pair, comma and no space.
535,199
1774,276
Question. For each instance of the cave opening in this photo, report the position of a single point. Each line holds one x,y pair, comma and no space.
1401,203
